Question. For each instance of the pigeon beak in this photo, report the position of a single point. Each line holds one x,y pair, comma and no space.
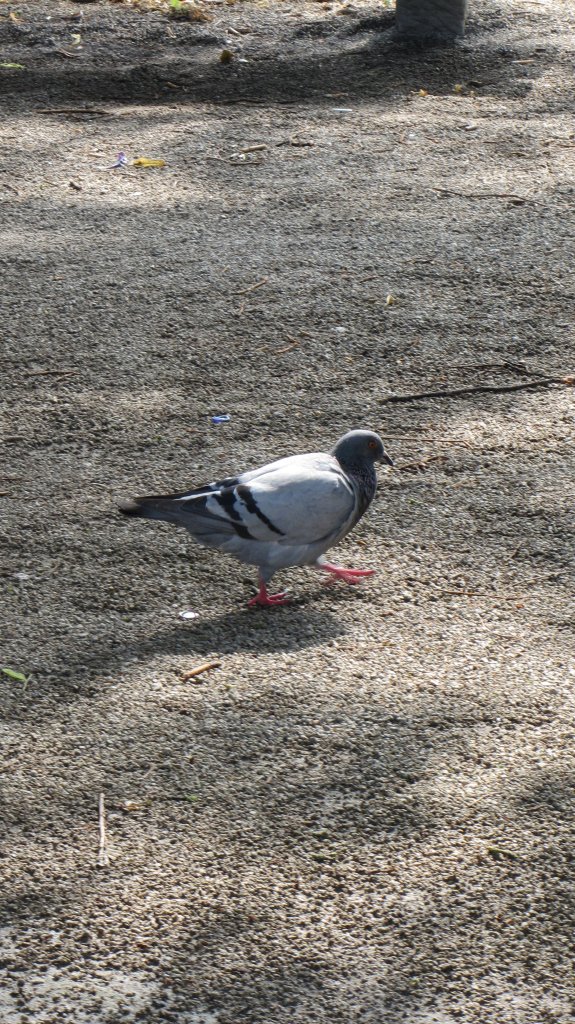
386,459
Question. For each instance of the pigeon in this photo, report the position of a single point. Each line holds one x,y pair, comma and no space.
286,513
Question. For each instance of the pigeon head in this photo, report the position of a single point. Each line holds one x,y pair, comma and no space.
360,448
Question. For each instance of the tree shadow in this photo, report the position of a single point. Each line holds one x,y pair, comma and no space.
146,59
287,896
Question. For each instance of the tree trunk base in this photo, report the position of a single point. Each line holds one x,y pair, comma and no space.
428,21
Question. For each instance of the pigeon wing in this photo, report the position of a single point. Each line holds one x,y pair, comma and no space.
298,500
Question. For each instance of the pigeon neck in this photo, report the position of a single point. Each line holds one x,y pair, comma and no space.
356,467
363,477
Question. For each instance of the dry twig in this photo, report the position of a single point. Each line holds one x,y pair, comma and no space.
293,343
463,593
294,142
426,437
50,373
103,858
506,365
73,110
483,195
199,670
544,382
543,578
287,348
514,553
252,287
484,597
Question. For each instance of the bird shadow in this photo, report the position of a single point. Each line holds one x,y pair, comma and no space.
292,628
76,670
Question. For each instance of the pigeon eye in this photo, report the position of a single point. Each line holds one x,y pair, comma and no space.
372,444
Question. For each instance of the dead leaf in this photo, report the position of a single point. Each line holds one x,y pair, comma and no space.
144,161
196,13
189,10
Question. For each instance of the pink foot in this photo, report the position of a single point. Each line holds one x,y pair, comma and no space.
347,575
266,600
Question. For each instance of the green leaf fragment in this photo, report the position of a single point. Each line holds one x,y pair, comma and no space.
18,676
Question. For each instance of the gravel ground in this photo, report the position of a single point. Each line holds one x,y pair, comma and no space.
365,813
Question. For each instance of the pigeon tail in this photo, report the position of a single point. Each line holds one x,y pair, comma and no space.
163,509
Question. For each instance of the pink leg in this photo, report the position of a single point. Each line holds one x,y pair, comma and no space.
267,600
347,575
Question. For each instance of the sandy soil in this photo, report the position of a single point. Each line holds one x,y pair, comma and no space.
365,813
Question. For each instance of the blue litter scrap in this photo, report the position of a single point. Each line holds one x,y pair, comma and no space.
221,419
121,161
